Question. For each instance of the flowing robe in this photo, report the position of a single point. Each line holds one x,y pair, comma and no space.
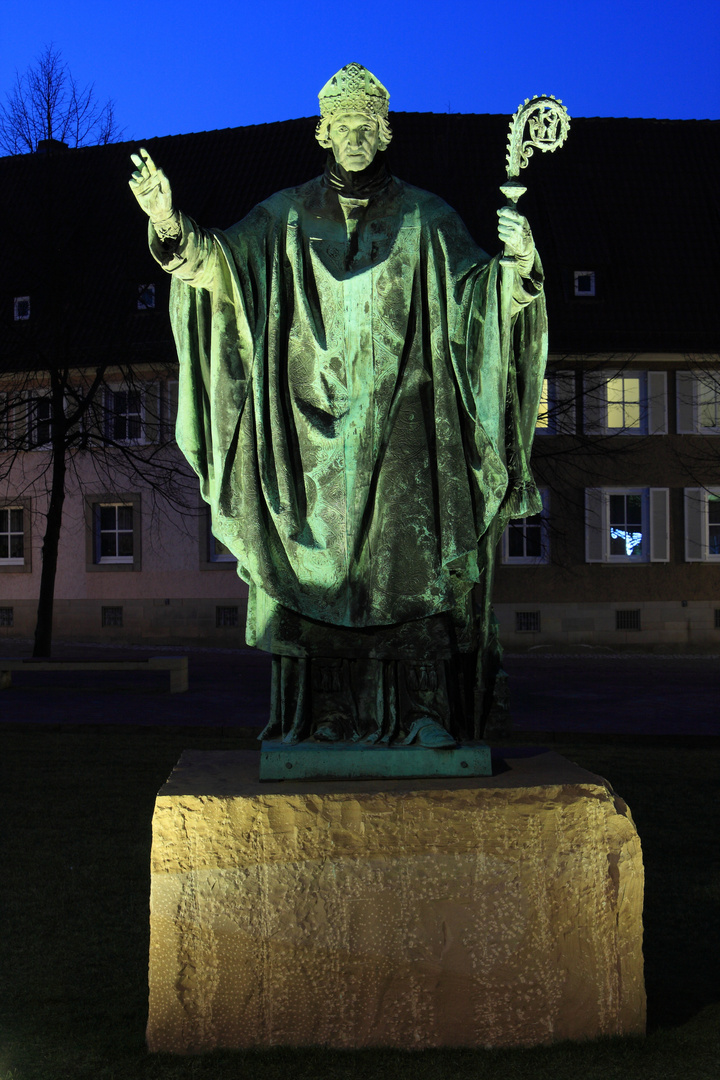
358,394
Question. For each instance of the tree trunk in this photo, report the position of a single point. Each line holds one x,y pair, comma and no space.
53,525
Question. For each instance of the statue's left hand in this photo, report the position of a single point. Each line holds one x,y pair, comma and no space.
514,232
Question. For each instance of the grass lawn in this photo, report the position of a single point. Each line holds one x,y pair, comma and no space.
77,808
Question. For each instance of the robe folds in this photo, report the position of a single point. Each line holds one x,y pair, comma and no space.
358,394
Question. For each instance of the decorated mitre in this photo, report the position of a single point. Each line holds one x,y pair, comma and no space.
353,89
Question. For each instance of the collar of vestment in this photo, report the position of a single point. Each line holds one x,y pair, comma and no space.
357,185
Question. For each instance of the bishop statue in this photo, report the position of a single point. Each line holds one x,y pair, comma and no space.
359,384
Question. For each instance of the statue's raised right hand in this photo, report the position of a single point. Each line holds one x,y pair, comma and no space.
151,188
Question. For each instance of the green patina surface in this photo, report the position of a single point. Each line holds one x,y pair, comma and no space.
359,385
310,761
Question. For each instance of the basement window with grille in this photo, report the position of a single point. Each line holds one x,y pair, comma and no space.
7,614
627,620
527,622
226,616
112,616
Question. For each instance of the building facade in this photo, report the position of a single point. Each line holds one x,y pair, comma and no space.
626,552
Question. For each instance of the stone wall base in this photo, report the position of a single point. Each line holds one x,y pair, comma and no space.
207,621
654,626
493,911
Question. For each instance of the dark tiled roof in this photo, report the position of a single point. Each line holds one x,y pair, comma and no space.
633,200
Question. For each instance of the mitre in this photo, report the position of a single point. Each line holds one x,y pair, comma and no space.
353,89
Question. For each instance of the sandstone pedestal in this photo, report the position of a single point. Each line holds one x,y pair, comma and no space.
491,911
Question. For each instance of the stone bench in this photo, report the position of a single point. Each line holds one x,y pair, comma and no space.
176,665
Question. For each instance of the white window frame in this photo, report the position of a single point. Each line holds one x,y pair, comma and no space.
7,508
521,523
109,396
94,562
556,415
689,387
652,395
32,422
655,525
697,524
105,560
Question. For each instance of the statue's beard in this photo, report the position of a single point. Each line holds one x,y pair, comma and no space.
362,184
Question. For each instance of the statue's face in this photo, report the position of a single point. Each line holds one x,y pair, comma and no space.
354,139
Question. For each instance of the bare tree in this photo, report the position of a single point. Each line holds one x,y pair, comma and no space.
61,428
46,105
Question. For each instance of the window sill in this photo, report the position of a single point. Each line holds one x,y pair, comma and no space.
111,567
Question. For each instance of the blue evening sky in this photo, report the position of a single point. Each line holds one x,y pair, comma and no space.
181,66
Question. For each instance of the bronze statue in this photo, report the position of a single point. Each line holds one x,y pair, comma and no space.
359,385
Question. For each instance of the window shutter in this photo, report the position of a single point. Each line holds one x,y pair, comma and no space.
657,402
659,525
595,401
686,392
504,545
695,510
108,412
563,411
595,525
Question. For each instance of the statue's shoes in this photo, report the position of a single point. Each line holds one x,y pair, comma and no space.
427,732
332,729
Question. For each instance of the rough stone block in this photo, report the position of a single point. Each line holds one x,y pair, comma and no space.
492,911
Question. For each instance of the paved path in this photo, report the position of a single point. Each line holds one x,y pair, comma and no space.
613,694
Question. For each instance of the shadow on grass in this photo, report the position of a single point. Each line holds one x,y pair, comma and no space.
73,952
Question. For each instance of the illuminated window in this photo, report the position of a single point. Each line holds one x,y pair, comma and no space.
21,308
631,402
627,525
543,418
624,402
556,411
